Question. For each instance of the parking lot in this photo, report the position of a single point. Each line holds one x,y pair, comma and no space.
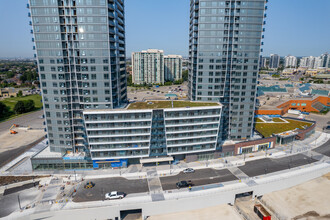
264,166
106,185
141,94
200,177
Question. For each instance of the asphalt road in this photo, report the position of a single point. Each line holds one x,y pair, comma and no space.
200,177
324,149
106,185
33,120
267,165
9,203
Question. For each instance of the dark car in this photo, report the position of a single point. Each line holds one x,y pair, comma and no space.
326,129
183,184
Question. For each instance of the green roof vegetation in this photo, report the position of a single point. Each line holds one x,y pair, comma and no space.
267,129
168,104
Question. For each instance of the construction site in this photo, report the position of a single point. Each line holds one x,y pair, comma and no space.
19,135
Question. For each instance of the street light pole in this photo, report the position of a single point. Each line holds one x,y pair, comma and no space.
19,202
75,176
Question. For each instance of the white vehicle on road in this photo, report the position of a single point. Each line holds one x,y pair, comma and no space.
114,195
189,170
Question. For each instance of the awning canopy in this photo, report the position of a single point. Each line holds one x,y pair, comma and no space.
156,159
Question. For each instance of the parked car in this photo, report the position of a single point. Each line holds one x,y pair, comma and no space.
183,184
89,185
115,195
189,170
326,129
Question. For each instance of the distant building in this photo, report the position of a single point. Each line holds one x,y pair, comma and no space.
8,92
262,62
173,67
274,61
290,61
325,60
310,62
148,67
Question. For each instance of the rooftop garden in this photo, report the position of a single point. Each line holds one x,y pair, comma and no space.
266,129
168,104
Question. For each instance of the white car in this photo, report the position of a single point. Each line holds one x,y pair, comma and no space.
189,170
114,195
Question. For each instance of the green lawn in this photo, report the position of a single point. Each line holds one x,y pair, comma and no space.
267,129
10,102
168,104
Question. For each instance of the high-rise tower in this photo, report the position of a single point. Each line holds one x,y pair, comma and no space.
80,51
224,49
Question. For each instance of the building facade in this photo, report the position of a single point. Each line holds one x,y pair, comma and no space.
290,61
148,67
325,60
80,51
133,134
173,67
262,62
274,61
224,49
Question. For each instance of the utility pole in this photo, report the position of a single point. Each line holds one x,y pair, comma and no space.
75,176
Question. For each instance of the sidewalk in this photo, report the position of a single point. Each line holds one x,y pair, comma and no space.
139,172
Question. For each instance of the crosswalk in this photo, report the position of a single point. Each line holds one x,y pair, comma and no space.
155,186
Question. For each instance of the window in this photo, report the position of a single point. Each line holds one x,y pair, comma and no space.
42,68
293,104
106,76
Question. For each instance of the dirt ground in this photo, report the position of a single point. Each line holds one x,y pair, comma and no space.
12,145
309,200
221,212
5,180
23,137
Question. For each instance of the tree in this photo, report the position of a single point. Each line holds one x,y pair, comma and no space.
29,105
168,83
20,93
19,107
3,110
185,75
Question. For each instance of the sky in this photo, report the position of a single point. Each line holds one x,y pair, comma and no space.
295,27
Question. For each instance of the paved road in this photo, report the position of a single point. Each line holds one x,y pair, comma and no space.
33,120
200,177
106,185
324,149
267,165
9,203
